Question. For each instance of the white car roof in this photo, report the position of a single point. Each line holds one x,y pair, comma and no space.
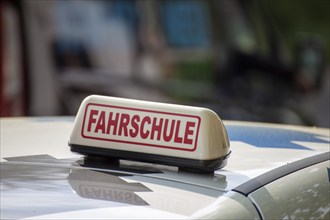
256,149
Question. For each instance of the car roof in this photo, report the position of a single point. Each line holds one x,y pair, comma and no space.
40,145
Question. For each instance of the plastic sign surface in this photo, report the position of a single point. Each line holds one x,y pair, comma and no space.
183,136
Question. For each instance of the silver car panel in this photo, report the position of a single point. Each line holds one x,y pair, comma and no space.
304,194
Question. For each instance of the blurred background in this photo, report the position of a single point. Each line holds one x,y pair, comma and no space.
250,60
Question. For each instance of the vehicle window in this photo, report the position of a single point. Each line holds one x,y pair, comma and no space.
300,195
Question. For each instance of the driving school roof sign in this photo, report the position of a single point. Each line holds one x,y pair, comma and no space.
149,131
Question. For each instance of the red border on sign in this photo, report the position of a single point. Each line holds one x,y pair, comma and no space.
139,143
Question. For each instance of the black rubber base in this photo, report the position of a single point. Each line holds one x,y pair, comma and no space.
185,164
